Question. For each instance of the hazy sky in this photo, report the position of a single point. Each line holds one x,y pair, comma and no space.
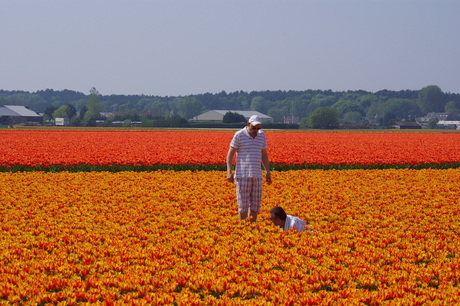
182,47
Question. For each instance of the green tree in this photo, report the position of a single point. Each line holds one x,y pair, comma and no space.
346,106
432,123
352,118
324,118
127,123
61,112
260,104
277,114
66,111
366,100
48,113
298,105
393,109
319,100
257,103
231,117
243,101
431,99
92,108
79,104
454,112
190,107
304,123
451,107
36,103
157,107
71,111
82,112
176,121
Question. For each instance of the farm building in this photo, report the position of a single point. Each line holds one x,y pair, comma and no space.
406,125
452,124
218,115
17,114
429,116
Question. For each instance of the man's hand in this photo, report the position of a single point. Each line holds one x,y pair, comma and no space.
230,177
268,177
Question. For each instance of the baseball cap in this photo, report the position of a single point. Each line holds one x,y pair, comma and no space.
255,120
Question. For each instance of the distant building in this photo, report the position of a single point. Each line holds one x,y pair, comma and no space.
423,121
18,114
406,125
450,124
429,116
61,121
291,119
218,115
109,115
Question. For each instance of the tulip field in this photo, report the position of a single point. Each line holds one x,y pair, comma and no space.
148,148
124,231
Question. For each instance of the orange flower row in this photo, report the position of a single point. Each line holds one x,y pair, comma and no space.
44,148
155,238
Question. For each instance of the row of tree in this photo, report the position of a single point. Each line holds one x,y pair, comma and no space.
354,108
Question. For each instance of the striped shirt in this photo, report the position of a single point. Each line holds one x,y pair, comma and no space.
249,153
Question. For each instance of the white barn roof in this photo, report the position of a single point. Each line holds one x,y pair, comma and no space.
446,122
6,112
22,111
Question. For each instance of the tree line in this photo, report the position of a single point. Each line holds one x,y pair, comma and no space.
313,108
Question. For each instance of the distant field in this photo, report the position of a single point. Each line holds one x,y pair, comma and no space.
206,149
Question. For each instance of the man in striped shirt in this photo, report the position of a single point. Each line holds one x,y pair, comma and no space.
250,146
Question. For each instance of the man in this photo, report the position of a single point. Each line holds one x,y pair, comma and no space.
286,222
250,146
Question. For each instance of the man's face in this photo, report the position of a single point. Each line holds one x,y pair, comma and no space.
253,129
275,220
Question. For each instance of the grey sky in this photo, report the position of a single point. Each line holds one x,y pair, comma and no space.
182,47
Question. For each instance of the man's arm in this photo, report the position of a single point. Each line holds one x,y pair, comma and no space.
266,164
230,155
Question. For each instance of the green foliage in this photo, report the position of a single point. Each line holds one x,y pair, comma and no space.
451,107
170,121
221,125
156,107
432,124
431,99
127,123
231,117
190,107
93,108
379,108
220,167
48,113
61,112
453,110
66,111
347,106
324,118
352,118
258,104
278,114
348,103
320,100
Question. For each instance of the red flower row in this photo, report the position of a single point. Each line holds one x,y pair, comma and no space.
43,148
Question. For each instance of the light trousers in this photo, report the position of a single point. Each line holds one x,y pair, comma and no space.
248,193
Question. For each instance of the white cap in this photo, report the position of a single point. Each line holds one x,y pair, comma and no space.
255,120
